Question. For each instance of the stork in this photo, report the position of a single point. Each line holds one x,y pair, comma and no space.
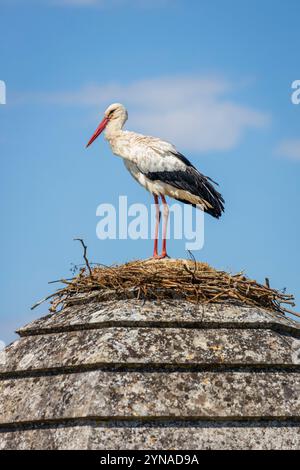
160,168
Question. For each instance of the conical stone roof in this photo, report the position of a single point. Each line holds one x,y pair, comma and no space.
133,374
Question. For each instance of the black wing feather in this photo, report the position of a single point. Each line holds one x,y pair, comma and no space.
193,181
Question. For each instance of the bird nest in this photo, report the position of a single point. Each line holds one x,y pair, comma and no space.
160,279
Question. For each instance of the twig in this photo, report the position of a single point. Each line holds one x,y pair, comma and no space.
193,259
84,255
46,298
292,312
61,280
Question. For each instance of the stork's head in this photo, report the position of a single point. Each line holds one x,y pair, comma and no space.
114,119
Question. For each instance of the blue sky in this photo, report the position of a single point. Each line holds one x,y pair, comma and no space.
214,77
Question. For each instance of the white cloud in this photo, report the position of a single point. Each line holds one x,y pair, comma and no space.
195,113
290,149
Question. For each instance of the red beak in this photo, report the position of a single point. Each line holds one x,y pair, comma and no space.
98,131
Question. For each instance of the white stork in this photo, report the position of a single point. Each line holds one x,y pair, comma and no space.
160,168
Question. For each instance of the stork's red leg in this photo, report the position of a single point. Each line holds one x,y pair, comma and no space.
157,219
165,226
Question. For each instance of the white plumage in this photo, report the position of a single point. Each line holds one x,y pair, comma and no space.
158,167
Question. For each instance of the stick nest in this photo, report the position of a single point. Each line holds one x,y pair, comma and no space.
165,279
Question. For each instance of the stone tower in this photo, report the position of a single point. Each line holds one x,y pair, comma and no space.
128,374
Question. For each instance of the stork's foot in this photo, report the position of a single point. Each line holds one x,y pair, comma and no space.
162,256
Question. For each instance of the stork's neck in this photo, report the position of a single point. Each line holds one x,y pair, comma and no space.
114,128
114,137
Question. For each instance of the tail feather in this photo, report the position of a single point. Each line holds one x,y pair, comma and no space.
197,185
